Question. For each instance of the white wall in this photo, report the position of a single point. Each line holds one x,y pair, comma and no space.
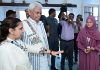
51,1
2,13
91,1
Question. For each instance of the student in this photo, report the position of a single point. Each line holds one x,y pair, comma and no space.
89,46
12,57
12,54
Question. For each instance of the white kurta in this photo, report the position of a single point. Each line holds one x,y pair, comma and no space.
39,62
13,57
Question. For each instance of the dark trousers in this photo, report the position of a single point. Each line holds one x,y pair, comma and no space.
67,46
52,62
53,45
75,48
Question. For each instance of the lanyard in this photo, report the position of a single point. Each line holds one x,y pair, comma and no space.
33,30
17,44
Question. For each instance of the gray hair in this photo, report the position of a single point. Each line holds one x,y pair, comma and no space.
33,5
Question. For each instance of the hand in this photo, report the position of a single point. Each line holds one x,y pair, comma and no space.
56,52
53,52
87,50
92,48
47,51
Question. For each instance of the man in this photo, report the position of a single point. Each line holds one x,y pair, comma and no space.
53,35
78,27
27,13
35,35
67,41
44,20
11,13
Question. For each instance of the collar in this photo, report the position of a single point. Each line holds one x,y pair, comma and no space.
9,39
33,21
51,17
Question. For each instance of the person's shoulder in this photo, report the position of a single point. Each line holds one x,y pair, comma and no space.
82,31
43,17
25,21
4,47
55,19
48,20
40,22
48,17
63,21
5,51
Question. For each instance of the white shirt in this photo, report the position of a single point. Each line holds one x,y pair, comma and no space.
39,29
13,57
39,62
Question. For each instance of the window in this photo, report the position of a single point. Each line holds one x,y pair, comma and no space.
22,15
91,10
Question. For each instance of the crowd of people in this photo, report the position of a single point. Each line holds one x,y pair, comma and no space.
34,43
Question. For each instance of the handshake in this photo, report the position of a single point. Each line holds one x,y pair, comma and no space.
47,51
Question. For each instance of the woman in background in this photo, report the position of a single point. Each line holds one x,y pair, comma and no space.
89,46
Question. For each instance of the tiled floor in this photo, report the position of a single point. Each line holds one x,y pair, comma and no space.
66,64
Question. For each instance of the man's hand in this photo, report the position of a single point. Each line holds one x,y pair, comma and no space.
56,52
52,52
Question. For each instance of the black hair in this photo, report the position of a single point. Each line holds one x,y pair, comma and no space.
7,23
59,16
79,16
10,12
71,14
51,11
63,8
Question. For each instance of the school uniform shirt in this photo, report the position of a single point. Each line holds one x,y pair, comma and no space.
35,34
13,57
